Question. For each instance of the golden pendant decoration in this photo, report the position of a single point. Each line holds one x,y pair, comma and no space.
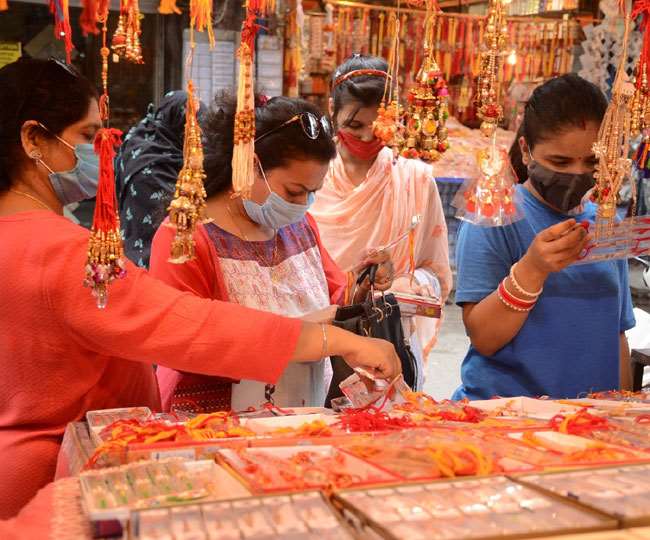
425,119
126,39
612,148
488,92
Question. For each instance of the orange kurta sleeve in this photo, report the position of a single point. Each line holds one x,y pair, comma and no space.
151,322
336,278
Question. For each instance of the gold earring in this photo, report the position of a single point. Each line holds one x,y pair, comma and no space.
35,155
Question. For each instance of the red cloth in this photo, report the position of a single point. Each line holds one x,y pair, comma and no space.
203,277
60,356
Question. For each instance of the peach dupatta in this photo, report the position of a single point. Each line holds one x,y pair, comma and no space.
353,218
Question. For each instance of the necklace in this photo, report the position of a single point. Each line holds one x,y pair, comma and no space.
275,278
36,200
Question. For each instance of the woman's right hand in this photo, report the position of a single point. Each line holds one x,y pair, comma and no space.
552,250
376,356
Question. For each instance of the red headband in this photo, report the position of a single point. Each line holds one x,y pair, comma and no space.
360,73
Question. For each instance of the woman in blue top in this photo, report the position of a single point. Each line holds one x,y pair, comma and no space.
539,326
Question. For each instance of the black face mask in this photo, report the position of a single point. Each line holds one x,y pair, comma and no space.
563,191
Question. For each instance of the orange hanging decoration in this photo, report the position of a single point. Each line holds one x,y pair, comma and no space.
61,11
105,253
88,18
243,160
168,7
201,17
126,39
4,6
640,106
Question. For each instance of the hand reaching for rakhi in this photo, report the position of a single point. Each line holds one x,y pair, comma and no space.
385,272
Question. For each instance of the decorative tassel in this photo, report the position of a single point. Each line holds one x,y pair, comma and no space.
62,30
4,6
187,209
168,7
201,17
243,159
264,8
126,39
640,105
88,18
105,256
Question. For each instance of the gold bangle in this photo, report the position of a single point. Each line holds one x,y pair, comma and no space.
324,351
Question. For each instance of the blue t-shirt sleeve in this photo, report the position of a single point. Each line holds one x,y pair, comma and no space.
627,319
482,260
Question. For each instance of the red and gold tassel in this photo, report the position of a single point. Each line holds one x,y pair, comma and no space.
640,105
105,256
201,17
126,39
263,8
62,30
187,209
243,159
88,18
168,7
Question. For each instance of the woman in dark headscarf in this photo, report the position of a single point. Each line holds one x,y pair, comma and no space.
146,169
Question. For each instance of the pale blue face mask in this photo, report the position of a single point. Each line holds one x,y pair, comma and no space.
275,212
79,183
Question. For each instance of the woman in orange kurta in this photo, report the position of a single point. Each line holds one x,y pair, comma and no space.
59,355
368,199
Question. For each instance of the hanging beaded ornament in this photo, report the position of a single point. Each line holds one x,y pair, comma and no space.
640,105
187,209
243,159
488,92
612,148
126,39
426,135
105,261
387,127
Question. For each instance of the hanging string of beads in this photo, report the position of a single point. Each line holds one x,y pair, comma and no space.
126,39
187,209
640,106
105,261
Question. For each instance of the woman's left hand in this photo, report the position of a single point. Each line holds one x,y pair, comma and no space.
385,273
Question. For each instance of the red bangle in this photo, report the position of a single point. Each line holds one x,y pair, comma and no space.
517,302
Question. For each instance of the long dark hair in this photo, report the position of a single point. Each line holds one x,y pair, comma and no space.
274,150
366,90
560,103
43,90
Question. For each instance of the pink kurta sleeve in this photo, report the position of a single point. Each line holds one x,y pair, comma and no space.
149,321
336,278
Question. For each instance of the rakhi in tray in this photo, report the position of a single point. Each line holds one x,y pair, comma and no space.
287,469
305,516
622,492
110,494
481,508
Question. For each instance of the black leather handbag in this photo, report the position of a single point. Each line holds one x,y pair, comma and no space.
378,318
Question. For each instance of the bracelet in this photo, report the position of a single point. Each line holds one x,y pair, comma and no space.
508,305
519,288
512,301
324,351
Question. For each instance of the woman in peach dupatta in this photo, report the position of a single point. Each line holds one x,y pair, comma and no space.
368,200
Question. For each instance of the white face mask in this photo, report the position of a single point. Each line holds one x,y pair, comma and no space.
275,212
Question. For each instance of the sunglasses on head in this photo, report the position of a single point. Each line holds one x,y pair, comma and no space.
311,125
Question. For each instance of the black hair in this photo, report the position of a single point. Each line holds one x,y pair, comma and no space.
274,150
560,103
43,90
366,90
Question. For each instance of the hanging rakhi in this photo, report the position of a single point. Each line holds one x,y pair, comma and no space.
168,7
426,134
491,62
243,159
4,6
126,39
640,106
62,30
387,127
187,209
88,17
613,146
105,261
